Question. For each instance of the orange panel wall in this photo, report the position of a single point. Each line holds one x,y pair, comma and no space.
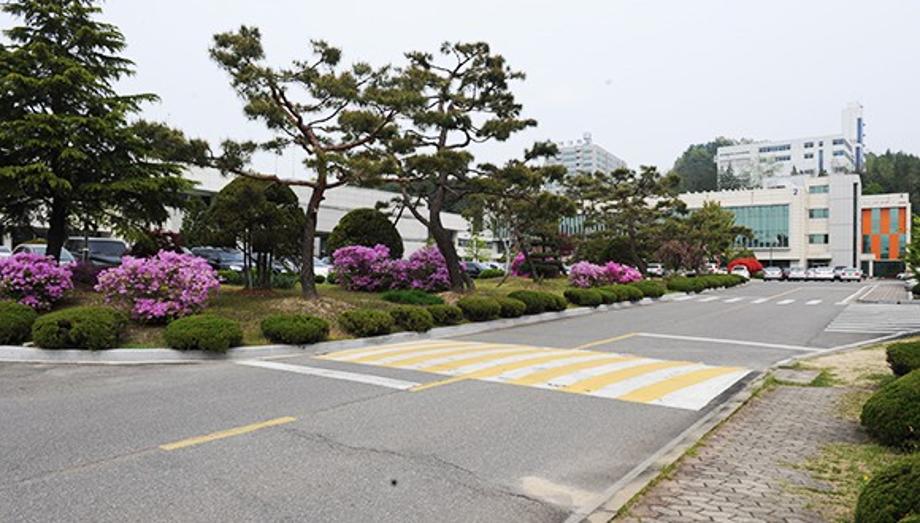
867,221
885,226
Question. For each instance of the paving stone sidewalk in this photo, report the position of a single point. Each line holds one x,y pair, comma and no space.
886,292
743,471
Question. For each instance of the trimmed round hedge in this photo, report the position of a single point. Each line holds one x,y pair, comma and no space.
539,301
412,297
367,227
651,289
584,297
608,296
93,328
892,415
366,322
446,314
892,495
624,292
903,357
295,329
510,307
411,318
479,308
16,322
490,273
205,332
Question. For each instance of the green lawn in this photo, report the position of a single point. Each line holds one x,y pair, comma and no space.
250,307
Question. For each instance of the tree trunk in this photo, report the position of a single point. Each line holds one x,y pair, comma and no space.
307,250
57,227
460,281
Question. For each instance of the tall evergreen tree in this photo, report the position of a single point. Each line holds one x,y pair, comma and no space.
68,153
696,167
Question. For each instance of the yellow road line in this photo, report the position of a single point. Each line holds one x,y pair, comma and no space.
491,356
657,390
555,372
496,371
606,341
384,349
370,358
497,348
245,429
609,378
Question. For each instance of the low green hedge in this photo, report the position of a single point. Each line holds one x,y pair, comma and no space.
446,314
319,278
892,495
16,322
285,280
479,308
366,322
411,318
205,332
903,357
490,273
701,283
624,292
295,329
412,297
651,289
892,414
584,297
510,307
93,328
230,277
539,301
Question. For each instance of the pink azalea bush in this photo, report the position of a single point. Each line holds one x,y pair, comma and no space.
586,274
370,269
162,287
34,280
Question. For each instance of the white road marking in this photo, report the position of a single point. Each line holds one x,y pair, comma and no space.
368,379
628,385
785,302
813,302
849,298
710,298
761,300
730,342
733,300
698,396
876,318
684,298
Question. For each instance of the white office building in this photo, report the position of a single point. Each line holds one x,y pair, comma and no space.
585,156
766,163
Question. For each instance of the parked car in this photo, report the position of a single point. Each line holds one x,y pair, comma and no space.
773,273
907,275
221,258
714,268
41,248
471,268
910,283
838,272
797,274
851,274
822,274
5,251
654,269
102,252
741,270
320,268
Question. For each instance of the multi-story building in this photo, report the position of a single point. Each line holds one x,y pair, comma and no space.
585,156
885,232
758,163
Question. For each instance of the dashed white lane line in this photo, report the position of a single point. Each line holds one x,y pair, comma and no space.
684,298
761,300
368,379
733,300
730,342
708,299
813,302
785,302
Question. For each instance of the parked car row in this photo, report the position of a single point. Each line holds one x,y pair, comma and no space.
473,268
813,274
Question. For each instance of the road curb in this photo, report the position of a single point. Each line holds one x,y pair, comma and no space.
166,356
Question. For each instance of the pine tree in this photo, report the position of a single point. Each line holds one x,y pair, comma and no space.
68,153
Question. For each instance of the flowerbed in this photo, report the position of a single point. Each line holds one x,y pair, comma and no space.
586,274
370,269
166,286
34,280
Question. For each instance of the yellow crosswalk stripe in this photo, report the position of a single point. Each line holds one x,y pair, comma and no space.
405,362
609,378
555,372
490,356
658,390
385,348
370,358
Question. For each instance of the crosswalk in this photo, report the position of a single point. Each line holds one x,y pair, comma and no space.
874,318
751,300
677,384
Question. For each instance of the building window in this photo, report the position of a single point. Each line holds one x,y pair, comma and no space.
839,141
769,223
867,244
818,213
809,156
818,239
775,148
885,254
783,158
876,217
840,153
809,145
902,248
819,189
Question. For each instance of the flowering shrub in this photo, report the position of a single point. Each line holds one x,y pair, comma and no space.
517,265
753,266
424,270
168,285
586,274
370,269
34,280
360,268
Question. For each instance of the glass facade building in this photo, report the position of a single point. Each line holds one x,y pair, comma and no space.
769,223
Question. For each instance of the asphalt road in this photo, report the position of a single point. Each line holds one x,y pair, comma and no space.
464,443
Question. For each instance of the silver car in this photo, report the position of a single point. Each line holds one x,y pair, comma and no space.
772,273
797,273
822,274
41,248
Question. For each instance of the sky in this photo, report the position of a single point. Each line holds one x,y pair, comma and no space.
645,78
